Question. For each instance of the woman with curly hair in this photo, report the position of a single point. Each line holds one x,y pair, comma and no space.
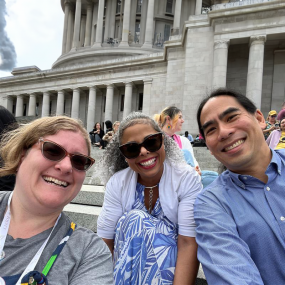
147,216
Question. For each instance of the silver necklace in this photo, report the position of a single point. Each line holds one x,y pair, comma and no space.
150,195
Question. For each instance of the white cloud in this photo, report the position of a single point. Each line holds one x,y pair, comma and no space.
35,27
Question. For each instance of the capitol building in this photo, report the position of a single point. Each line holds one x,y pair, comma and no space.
120,56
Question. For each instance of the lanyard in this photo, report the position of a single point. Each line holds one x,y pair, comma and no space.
3,234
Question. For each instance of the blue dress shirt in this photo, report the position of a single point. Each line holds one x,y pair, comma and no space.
241,227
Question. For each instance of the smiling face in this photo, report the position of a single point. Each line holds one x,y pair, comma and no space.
148,165
46,185
233,135
116,127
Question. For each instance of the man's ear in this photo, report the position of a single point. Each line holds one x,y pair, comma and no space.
260,118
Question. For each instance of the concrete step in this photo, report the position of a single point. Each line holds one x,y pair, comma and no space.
85,208
90,195
83,215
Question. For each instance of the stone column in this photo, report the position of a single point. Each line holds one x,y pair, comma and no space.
177,17
113,19
149,25
99,29
19,106
91,108
75,103
46,102
87,40
60,103
65,27
32,105
82,31
126,24
109,102
77,24
219,78
69,30
10,104
278,80
94,21
108,5
143,21
198,9
128,99
255,69
146,96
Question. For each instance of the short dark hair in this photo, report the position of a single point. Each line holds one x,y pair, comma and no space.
246,103
186,134
108,124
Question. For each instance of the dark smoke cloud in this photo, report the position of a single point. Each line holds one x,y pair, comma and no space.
7,50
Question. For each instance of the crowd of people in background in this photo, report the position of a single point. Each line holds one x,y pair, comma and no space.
274,132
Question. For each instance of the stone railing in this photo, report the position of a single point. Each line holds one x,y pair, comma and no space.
226,4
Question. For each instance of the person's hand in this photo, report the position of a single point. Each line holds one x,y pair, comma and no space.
272,128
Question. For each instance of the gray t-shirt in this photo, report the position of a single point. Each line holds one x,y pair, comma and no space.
85,259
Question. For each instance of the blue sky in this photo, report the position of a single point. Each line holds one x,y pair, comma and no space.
35,28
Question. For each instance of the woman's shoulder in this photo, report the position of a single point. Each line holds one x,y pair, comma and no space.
178,170
185,142
4,196
122,174
82,237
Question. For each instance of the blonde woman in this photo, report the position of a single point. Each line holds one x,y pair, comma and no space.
40,244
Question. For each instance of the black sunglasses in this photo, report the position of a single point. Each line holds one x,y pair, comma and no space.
54,152
151,143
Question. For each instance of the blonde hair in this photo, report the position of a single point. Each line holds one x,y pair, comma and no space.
115,123
172,112
16,141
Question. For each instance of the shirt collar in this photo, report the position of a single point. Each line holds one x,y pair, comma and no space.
275,164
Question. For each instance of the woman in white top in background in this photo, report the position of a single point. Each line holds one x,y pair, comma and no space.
170,121
147,216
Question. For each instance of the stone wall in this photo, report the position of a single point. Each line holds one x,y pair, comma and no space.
198,72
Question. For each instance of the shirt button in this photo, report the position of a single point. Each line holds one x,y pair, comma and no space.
268,188
279,171
282,218
244,177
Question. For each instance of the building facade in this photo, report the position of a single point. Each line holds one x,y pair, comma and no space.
120,56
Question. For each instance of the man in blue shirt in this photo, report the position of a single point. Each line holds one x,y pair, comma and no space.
188,136
240,217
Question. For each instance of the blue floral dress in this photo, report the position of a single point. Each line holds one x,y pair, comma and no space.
145,249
